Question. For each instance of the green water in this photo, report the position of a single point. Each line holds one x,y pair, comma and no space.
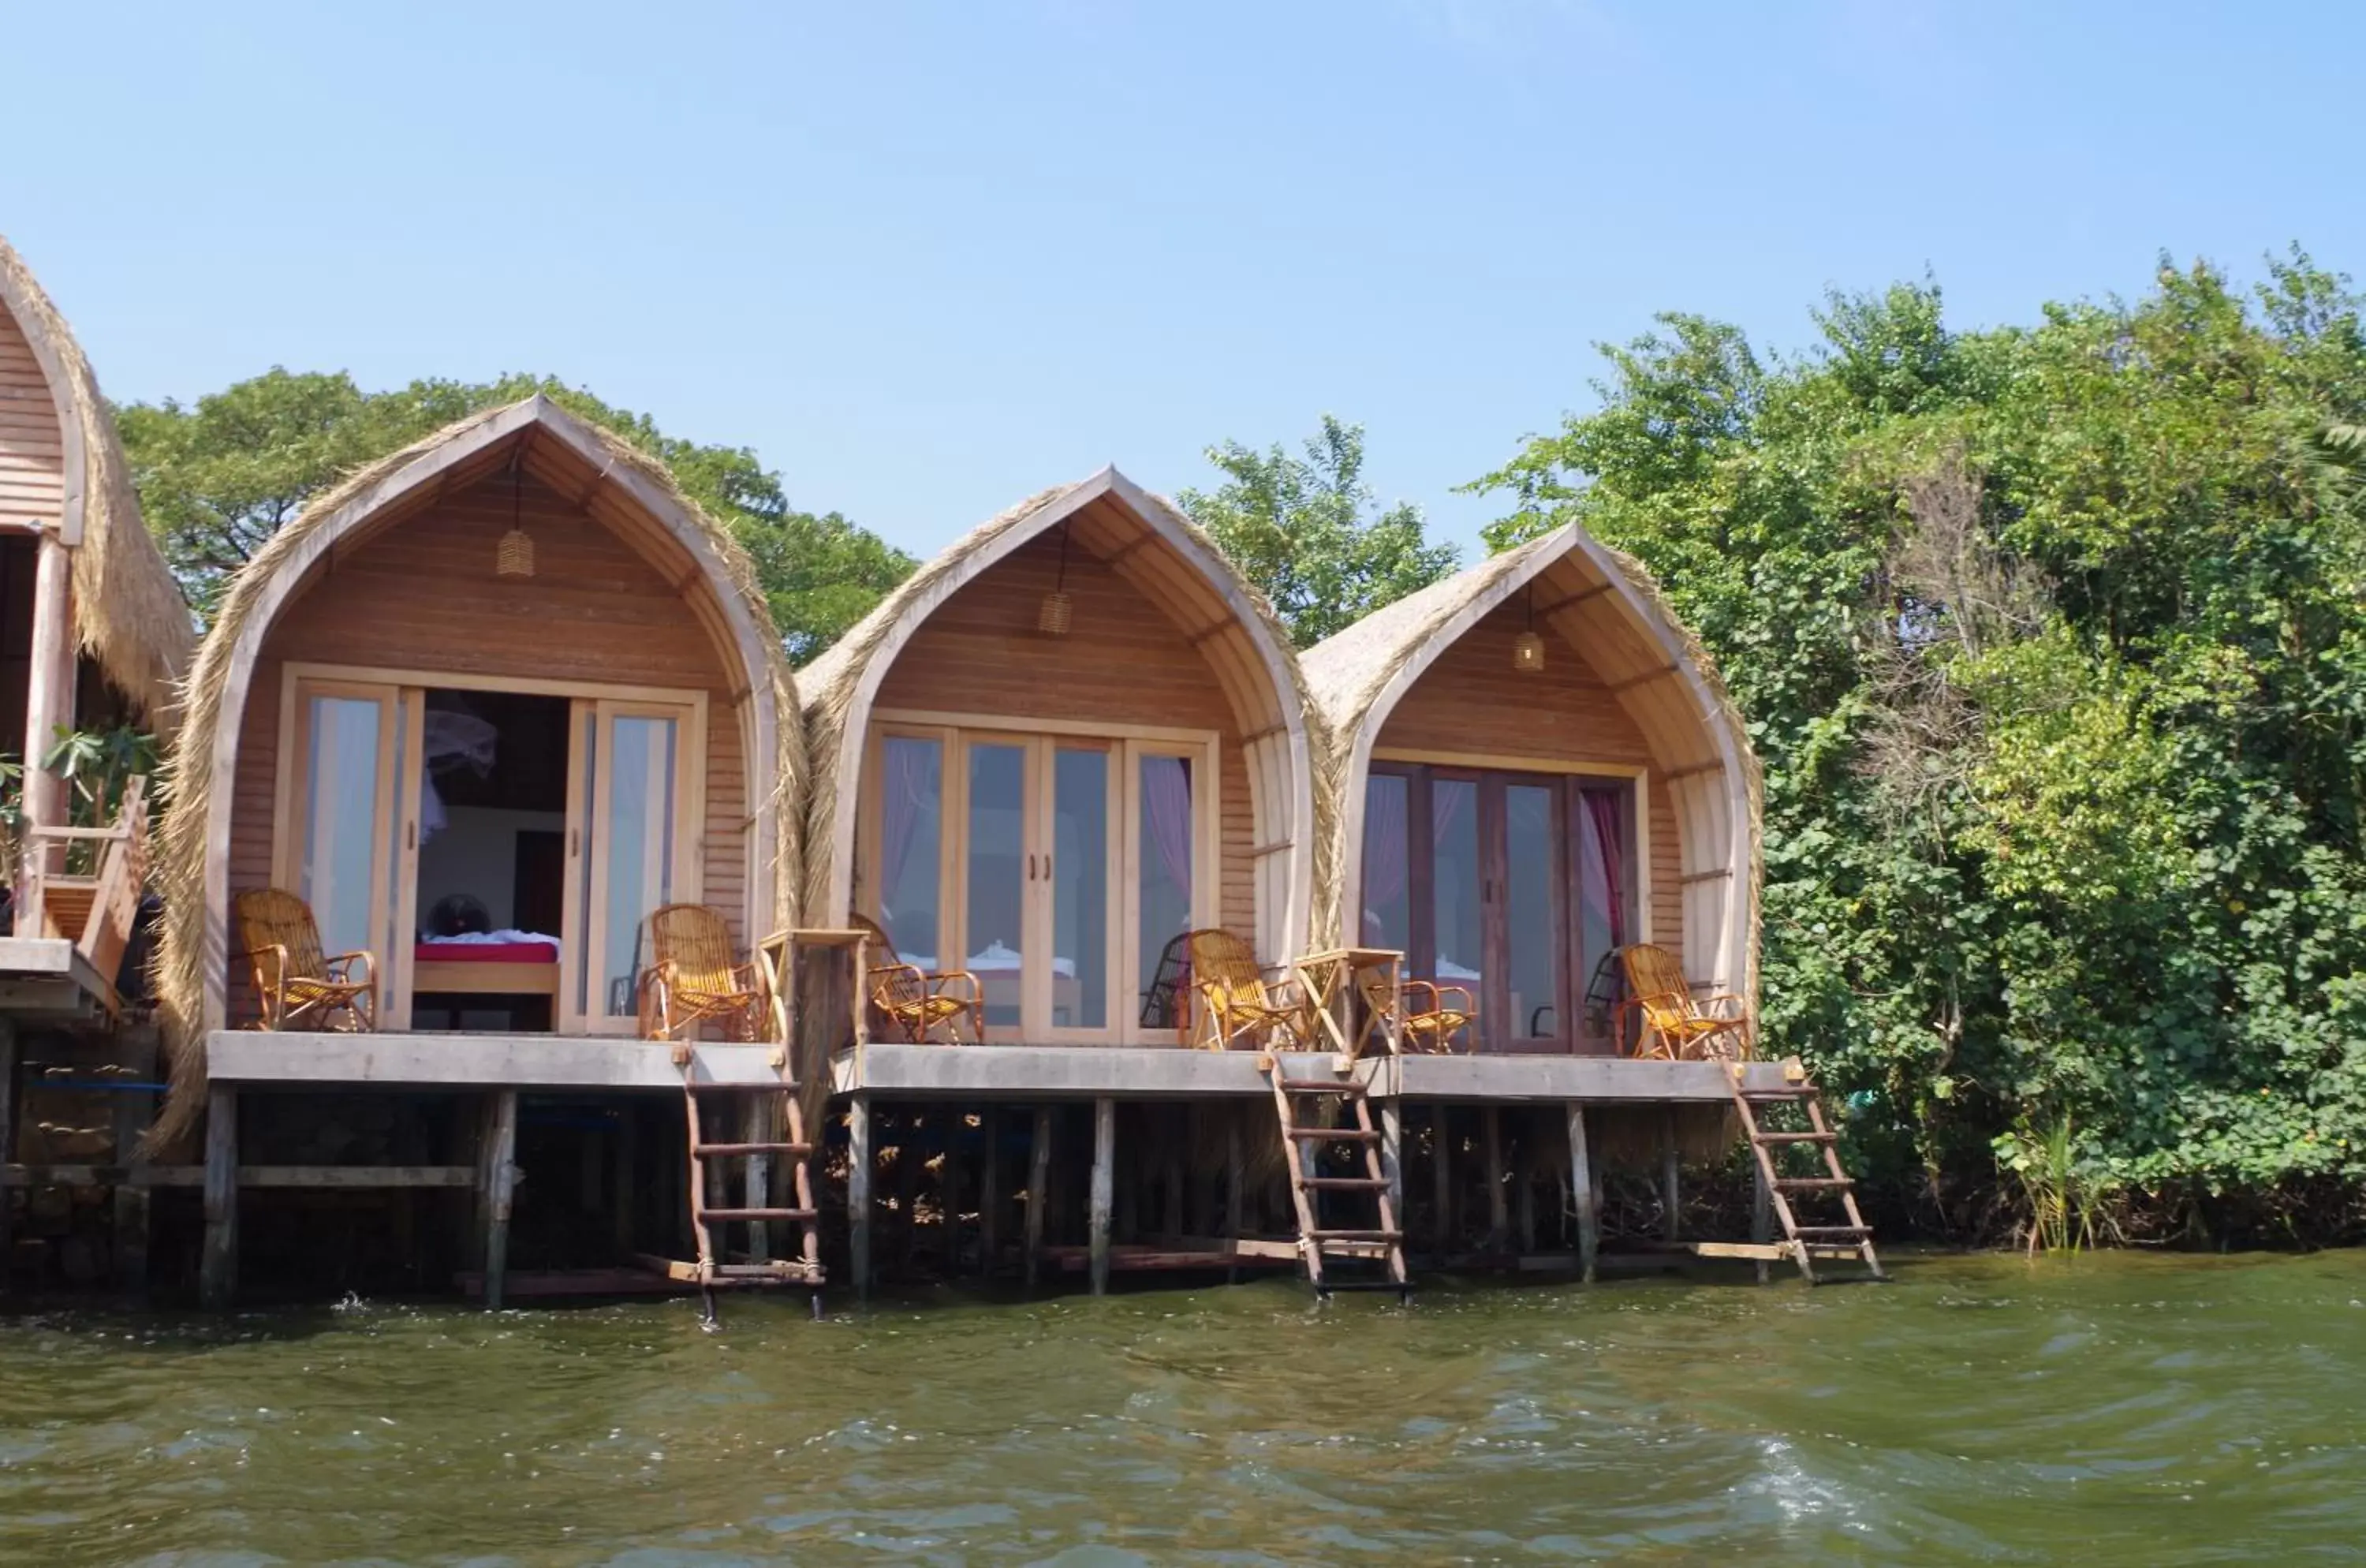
2099,1410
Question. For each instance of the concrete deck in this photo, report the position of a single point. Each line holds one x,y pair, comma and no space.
424,1060
46,977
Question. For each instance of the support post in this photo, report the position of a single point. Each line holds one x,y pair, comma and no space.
908,1160
1172,1223
1039,1183
1586,1194
1441,1180
949,1188
10,1052
1392,1155
756,1124
1524,1203
497,1178
132,1113
858,1194
218,1263
1104,1188
1762,1212
990,1194
1670,1177
49,703
1492,1136
1236,1180
627,1188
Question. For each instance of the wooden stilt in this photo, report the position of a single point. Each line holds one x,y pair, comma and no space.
1586,1192
1441,1179
949,1189
218,1263
1039,1183
1524,1203
1171,1222
131,1115
857,1192
1236,1180
628,1186
1672,1212
1392,1152
908,1161
1761,1214
1104,1187
10,1055
1492,1136
989,1193
496,1175
756,1128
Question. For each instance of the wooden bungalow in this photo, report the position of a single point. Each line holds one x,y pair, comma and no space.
481,711
93,633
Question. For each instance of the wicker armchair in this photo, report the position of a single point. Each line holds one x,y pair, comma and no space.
692,979
917,1002
1238,1005
1429,1028
1676,1025
298,985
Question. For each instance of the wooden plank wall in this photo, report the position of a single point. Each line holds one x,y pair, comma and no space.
1123,662
422,595
1471,700
32,454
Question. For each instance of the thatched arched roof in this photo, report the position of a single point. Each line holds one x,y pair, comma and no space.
1606,606
1147,541
130,615
621,488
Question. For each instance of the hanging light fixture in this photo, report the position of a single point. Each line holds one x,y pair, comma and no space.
514,560
1528,649
1052,618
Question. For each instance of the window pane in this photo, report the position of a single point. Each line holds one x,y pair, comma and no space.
1080,846
339,820
1602,883
636,826
1532,958
1388,894
911,831
1165,856
997,843
1454,814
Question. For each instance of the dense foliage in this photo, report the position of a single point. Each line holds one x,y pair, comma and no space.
218,480
2053,641
1306,531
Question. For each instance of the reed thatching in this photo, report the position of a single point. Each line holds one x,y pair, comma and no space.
130,614
1349,673
831,682
183,966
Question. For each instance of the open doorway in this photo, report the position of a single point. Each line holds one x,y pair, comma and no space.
492,831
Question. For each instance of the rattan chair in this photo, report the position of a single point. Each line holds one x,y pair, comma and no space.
917,1002
1676,1025
1239,1007
299,986
692,979
1427,1028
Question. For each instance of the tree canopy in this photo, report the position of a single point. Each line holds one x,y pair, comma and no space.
2053,640
218,478
1306,531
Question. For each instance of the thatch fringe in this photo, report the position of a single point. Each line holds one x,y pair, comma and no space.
831,681
130,614
182,962
1348,671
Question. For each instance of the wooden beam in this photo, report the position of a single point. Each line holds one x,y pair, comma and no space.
1103,1191
1661,673
1688,878
1236,1176
1441,1177
1714,765
1573,600
1584,1192
498,1175
1268,733
1206,633
1670,1175
1261,851
756,1128
218,1261
948,1186
990,1194
1039,1183
1491,1127
858,1194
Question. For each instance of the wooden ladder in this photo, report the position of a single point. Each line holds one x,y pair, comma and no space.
1301,1147
1804,1244
714,1269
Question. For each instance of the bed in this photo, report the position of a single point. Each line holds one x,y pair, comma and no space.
508,963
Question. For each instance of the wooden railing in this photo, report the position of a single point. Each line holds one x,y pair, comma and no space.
83,884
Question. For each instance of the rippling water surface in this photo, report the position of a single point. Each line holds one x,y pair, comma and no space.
2099,1410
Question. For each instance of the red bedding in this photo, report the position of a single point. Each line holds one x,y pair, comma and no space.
486,952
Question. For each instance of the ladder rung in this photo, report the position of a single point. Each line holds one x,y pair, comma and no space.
1322,1086
1832,1230
1777,1096
1356,1236
1329,1285
1765,1137
1805,1183
708,1086
1338,1134
1344,1183
755,1213
704,1151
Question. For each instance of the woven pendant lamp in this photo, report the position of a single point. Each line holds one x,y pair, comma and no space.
513,560
1528,649
1053,616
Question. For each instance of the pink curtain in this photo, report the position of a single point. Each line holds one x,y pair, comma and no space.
1166,815
1384,840
905,793
1602,811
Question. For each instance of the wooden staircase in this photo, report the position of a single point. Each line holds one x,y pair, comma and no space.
1799,1105
1302,1143
711,1166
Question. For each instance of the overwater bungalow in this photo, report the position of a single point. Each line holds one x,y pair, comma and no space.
459,732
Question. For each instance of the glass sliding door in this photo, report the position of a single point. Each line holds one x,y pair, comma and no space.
998,866
1457,887
631,770
1166,846
911,836
1076,878
1535,1016
341,847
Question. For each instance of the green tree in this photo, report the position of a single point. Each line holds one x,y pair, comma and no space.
218,478
2053,640
1305,530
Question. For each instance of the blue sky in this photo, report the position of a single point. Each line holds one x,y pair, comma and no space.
927,258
